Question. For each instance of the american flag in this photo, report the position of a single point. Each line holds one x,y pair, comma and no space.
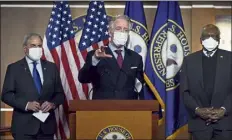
60,47
95,31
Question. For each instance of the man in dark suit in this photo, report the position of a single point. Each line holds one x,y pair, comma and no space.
114,70
206,84
32,85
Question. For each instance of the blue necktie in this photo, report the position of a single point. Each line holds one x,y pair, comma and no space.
36,77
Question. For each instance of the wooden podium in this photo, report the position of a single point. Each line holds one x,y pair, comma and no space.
92,119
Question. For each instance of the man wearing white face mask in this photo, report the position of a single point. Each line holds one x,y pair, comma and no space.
32,85
206,85
114,70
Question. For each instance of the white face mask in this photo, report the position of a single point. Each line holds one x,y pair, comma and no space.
210,44
35,53
120,38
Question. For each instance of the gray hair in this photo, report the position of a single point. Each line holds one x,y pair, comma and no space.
210,26
125,17
29,36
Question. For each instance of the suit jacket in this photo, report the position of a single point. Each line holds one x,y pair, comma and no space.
111,82
19,89
192,88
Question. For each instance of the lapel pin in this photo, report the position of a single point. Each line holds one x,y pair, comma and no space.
44,68
221,56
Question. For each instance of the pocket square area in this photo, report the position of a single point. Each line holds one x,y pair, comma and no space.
133,67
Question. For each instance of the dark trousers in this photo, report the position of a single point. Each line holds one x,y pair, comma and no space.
212,134
39,136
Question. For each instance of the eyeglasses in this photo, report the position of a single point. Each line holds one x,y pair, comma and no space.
121,29
34,46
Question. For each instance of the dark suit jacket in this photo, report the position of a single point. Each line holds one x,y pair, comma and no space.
111,82
192,88
19,89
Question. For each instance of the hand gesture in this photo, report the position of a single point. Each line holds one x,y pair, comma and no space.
100,53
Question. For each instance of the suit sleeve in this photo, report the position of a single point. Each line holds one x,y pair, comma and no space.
58,97
9,96
140,77
188,100
87,72
228,100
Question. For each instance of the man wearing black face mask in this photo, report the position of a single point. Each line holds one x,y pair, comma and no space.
32,86
114,70
206,79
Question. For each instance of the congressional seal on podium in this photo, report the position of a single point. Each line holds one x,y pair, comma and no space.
114,132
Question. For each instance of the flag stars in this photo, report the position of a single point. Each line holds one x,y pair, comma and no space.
106,33
65,35
91,16
85,36
84,44
69,21
87,29
93,32
102,23
95,3
55,29
89,22
104,16
92,39
100,6
64,12
99,13
57,22
93,9
95,26
54,36
53,42
53,12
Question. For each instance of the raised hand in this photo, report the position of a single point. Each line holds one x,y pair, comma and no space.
100,53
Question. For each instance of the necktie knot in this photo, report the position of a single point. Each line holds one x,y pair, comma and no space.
119,52
34,63
209,53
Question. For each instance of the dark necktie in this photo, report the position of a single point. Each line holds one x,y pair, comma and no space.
209,53
119,58
36,78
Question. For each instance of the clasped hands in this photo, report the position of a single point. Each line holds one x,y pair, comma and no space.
210,115
45,107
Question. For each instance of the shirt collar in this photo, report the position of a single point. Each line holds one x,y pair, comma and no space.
205,53
29,61
113,48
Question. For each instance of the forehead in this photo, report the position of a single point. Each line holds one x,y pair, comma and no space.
121,22
34,40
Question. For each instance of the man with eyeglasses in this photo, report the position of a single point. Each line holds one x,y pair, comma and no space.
114,70
32,85
206,86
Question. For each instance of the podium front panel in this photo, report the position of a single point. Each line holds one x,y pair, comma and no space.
113,124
